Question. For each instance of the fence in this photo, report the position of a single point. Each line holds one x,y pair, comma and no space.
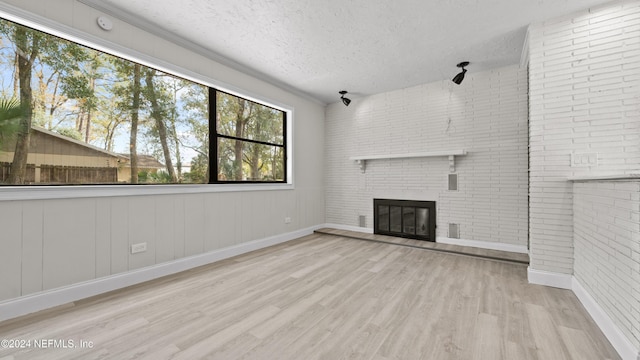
54,174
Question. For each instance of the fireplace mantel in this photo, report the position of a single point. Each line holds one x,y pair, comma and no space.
362,160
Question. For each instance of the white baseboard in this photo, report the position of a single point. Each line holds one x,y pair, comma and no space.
28,304
618,340
623,346
547,278
484,245
349,228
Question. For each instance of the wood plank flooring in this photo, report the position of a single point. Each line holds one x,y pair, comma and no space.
325,297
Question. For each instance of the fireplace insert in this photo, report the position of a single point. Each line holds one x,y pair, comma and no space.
405,218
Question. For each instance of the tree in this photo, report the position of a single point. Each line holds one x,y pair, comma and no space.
108,120
128,90
62,76
57,72
135,112
265,125
232,116
27,44
159,113
195,110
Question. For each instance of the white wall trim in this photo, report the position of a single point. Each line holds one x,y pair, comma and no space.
349,228
618,340
45,192
547,278
24,305
483,244
623,346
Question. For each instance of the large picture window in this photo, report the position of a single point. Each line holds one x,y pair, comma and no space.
72,115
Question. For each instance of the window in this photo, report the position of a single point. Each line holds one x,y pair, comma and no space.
250,139
72,115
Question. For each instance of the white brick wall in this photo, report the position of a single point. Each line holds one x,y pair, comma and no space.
607,249
584,76
486,115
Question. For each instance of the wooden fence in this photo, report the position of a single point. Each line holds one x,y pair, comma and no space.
52,174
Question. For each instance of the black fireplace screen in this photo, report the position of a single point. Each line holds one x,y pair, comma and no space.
405,218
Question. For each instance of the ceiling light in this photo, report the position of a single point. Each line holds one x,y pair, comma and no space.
345,101
458,78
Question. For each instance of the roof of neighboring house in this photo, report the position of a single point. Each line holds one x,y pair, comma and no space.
77,142
146,161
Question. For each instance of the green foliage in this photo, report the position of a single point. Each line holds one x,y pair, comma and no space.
149,177
70,132
77,87
199,170
10,113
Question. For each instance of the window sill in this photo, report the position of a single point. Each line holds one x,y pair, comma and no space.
13,193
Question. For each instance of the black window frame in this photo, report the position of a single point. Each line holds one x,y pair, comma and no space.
214,136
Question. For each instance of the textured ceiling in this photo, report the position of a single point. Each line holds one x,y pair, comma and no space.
364,46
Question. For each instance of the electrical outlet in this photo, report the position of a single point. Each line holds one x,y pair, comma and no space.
584,159
287,220
138,248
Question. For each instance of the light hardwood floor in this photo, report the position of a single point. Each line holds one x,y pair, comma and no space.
325,297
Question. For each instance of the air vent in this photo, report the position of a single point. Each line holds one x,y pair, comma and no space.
362,221
453,182
454,231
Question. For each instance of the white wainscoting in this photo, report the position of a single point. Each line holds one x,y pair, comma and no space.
51,298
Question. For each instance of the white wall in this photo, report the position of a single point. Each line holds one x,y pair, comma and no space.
485,115
607,249
584,98
52,243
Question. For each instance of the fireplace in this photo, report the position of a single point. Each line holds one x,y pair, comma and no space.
405,218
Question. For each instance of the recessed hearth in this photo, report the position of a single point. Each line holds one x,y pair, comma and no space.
405,218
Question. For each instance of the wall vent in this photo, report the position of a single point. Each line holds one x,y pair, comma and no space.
454,231
362,220
453,182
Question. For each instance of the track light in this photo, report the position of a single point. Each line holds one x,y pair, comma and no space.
345,101
458,78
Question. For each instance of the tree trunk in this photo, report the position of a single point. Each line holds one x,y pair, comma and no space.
16,75
174,133
156,113
135,109
255,157
87,135
25,65
177,145
239,145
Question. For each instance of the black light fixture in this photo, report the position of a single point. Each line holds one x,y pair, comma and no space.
458,78
345,101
